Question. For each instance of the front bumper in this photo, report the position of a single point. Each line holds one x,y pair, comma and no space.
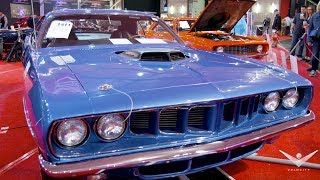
255,56
162,155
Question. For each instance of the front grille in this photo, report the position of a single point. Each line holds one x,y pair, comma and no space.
197,116
168,120
246,49
166,168
228,111
141,122
214,117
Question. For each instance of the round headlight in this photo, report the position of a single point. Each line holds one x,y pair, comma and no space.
220,49
271,102
260,48
110,127
71,132
290,99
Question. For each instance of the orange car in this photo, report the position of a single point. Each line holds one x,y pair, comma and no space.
211,31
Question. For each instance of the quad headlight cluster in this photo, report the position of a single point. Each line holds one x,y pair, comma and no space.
273,100
74,132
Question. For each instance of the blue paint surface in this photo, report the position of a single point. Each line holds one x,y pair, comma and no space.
56,92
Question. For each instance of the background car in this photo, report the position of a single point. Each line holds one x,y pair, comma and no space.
108,98
9,37
22,22
212,30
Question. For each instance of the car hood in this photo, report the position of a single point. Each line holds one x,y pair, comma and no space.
221,15
201,77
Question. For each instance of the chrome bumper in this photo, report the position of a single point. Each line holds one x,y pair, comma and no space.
256,55
152,157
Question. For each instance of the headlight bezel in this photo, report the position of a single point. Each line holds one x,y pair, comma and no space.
60,144
284,97
109,140
264,101
260,47
221,49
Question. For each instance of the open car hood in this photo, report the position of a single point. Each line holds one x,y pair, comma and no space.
221,15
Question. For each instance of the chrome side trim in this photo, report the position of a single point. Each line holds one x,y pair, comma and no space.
152,157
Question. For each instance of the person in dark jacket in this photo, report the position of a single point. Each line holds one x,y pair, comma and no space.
277,21
30,21
298,31
314,24
266,25
3,21
310,12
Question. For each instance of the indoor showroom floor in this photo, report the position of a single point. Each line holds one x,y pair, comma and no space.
18,152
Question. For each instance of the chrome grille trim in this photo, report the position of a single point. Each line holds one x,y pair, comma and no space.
244,49
211,118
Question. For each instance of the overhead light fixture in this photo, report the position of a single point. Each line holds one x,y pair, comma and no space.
182,9
273,7
171,9
257,8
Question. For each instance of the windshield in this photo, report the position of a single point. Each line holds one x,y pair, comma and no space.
106,29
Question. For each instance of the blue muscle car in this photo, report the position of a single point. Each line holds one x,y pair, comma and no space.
102,97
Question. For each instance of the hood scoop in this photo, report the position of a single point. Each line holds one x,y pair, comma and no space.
153,54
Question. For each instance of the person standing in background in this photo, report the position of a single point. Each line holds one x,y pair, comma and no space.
310,12
298,31
30,21
277,21
266,25
314,25
3,21
288,22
